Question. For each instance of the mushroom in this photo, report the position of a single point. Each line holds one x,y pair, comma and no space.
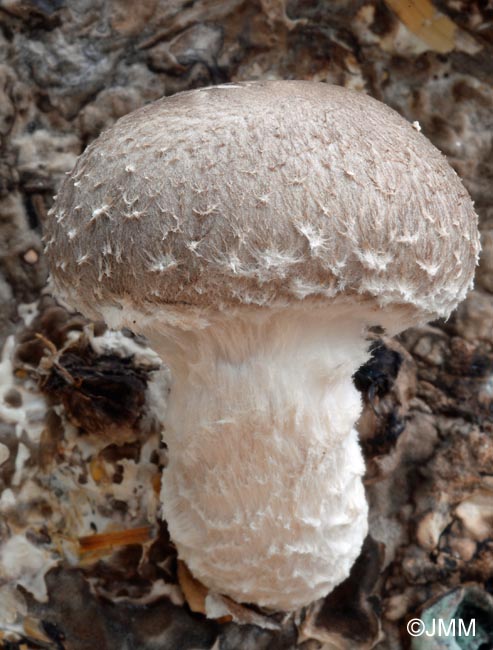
255,233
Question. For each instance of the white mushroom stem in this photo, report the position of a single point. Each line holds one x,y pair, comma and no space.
263,493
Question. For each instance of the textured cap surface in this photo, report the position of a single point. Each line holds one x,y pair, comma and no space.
263,192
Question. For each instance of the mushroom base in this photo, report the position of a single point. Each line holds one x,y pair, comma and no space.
263,493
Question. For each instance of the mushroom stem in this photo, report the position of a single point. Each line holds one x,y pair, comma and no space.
263,493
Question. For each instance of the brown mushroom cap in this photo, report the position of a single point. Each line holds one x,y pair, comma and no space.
262,193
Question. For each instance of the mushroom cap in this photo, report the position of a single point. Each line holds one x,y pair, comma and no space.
263,193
